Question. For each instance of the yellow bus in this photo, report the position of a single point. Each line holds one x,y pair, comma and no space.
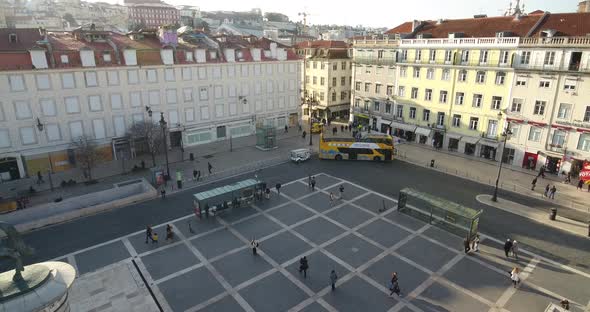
373,146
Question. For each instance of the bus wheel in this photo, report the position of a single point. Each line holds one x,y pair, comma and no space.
338,157
377,158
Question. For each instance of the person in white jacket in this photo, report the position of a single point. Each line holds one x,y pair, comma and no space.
515,277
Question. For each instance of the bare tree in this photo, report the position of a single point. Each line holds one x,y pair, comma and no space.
87,154
151,133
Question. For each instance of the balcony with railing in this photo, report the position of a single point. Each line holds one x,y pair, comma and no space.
454,62
461,42
385,61
555,148
573,67
555,42
369,42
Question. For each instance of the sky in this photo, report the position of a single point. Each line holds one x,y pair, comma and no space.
376,13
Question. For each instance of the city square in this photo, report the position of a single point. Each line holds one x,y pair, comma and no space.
212,268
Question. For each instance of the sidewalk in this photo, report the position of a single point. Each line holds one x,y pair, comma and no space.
513,178
244,156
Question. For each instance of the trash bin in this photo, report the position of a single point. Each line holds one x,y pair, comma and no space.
553,214
191,156
432,163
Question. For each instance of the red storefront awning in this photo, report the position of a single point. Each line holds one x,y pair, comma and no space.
560,127
514,120
537,124
583,130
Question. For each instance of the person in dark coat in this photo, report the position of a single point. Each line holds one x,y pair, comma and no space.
148,234
394,285
254,243
580,184
507,247
312,184
534,184
303,266
278,187
333,279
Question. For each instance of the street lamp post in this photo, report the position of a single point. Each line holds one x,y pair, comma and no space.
310,103
505,134
163,125
41,127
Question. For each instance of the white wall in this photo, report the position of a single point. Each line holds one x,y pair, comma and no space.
135,96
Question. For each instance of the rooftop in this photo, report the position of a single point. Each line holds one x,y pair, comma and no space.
25,39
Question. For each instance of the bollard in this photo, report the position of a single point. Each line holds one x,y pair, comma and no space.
553,214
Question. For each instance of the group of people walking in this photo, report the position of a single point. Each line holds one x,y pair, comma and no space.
152,236
511,248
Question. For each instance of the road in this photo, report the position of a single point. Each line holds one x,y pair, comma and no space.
386,178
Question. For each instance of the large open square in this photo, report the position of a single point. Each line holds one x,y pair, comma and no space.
212,268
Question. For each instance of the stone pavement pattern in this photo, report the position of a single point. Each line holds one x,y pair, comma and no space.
514,178
213,269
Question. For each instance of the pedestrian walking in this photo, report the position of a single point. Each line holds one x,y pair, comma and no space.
309,181
198,175
163,192
304,134
332,199
39,178
507,247
475,243
209,166
342,128
547,190
581,184
534,184
394,285
195,174
278,187
552,192
148,234
515,277
466,245
267,193
155,238
190,227
286,129
313,184
169,233
541,172
341,189
303,266
565,304
568,178
514,249
254,243
333,279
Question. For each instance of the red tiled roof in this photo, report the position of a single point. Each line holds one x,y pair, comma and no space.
65,42
148,42
26,39
474,27
566,24
322,44
404,28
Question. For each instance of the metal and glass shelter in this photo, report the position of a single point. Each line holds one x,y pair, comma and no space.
266,137
445,213
219,196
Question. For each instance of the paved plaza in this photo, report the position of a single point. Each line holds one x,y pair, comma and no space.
211,268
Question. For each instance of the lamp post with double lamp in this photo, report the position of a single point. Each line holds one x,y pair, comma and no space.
505,135
41,127
163,124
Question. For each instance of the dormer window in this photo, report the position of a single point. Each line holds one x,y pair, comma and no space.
64,59
213,55
239,54
12,38
189,56
106,55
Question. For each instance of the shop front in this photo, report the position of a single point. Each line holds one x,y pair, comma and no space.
469,145
438,138
488,149
422,135
453,141
403,130
529,161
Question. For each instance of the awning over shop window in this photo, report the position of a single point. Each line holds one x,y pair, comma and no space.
403,126
455,136
423,131
361,116
493,144
470,140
